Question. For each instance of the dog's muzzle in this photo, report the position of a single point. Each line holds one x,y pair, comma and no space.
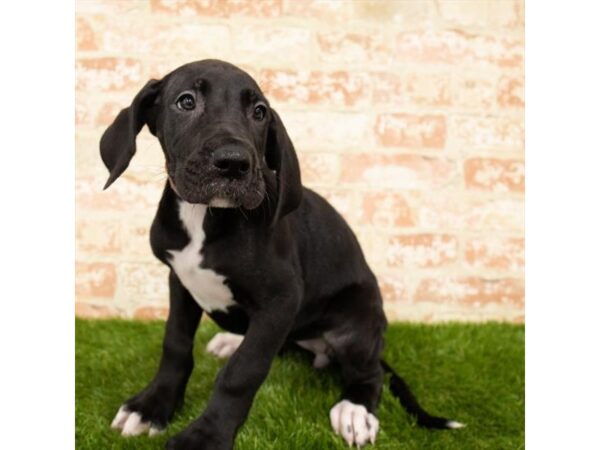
225,177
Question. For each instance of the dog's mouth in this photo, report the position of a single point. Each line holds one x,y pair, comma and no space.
220,192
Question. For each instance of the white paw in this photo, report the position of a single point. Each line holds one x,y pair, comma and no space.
223,345
354,423
131,424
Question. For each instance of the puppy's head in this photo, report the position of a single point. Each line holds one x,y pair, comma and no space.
221,140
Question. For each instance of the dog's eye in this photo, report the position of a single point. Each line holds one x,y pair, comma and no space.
186,102
260,112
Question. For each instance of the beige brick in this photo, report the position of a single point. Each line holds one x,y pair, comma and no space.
90,311
407,130
393,288
471,291
496,252
276,44
108,112
83,113
136,240
481,13
319,168
219,8
474,133
432,312
112,7
458,47
127,194
464,12
386,209
397,171
428,89
499,214
448,211
389,13
511,93
352,49
143,283
310,130
98,237
95,280
327,11
508,13
86,37
340,88
412,89
108,74
421,250
160,39
151,313
496,175
474,91
437,211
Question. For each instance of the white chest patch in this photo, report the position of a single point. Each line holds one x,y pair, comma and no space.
205,285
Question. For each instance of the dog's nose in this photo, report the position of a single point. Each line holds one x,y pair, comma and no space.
231,161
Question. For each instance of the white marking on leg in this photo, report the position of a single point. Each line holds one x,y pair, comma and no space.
131,423
453,424
223,345
354,423
120,418
134,425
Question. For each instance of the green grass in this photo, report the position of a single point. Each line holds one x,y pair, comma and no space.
468,372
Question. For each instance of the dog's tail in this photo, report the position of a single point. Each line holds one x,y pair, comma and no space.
402,392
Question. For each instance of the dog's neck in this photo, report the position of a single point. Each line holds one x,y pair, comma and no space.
218,220
220,210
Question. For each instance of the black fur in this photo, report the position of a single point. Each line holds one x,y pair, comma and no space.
294,266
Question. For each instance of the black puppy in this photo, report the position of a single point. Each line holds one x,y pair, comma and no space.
263,256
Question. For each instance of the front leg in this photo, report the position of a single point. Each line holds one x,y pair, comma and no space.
238,381
152,408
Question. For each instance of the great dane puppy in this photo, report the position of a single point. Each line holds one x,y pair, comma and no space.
269,260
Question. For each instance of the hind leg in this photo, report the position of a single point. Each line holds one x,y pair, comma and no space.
353,417
320,349
357,347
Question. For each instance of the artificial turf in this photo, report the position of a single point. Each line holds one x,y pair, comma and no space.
473,373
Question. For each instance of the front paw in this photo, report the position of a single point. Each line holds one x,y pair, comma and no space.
149,411
198,437
354,423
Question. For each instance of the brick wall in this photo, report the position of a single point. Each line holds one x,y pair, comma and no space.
407,116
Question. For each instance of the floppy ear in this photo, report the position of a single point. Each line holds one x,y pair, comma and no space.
281,157
117,145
